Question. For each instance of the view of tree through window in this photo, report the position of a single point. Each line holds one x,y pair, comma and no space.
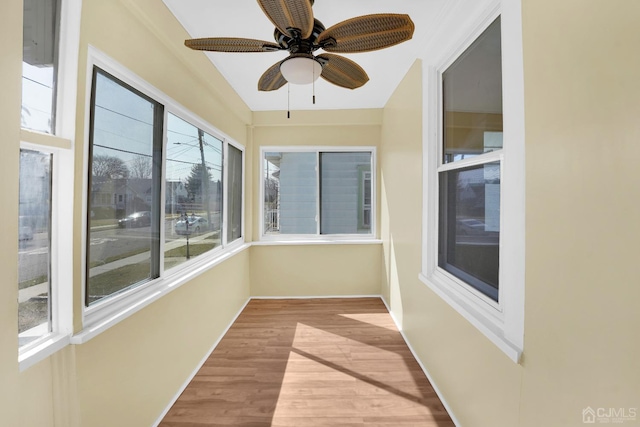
193,192
125,159
156,190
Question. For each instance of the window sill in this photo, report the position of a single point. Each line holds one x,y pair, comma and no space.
303,241
44,139
484,317
44,348
103,316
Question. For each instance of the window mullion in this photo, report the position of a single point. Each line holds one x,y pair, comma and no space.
156,188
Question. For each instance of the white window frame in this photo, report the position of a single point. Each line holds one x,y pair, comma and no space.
109,311
60,145
502,322
317,237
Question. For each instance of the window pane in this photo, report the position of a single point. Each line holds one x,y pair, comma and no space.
291,189
39,54
34,256
472,92
234,203
123,221
345,193
470,226
193,194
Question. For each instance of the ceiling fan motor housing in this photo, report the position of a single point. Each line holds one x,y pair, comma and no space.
293,41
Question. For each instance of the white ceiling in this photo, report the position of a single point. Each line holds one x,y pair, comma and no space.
244,18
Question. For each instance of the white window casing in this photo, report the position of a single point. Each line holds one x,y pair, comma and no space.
501,322
317,237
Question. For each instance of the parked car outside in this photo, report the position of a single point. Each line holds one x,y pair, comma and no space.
196,225
136,219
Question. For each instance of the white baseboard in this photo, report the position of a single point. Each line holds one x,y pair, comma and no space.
424,369
195,371
315,297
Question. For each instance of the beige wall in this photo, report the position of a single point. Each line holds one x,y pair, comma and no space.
128,374
480,384
583,143
10,85
582,102
315,270
582,132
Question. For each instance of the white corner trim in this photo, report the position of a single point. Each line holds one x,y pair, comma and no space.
198,366
424,368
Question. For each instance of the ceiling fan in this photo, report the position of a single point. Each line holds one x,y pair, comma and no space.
298,32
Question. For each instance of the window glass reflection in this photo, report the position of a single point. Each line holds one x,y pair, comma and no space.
125,150
34,250
193,195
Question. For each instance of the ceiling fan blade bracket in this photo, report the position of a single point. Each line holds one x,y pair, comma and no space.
328,43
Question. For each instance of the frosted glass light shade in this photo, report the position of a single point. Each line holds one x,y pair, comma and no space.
301,70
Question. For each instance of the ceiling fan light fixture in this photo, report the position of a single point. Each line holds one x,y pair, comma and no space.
301,70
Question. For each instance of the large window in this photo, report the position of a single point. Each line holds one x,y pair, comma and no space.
469,171
124,223
193,192
473,220
34,234
317,192
160,188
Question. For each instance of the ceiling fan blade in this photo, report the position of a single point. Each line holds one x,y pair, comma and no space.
231,44
289,14
367,33
272,79
341,71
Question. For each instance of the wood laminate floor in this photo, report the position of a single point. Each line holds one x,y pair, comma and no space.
318,362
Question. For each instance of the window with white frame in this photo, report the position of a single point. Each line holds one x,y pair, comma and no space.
49,82
317,192
34,256
193,192
469,191
152,207
473,230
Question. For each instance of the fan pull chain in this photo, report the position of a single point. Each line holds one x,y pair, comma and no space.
313,72
288,100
